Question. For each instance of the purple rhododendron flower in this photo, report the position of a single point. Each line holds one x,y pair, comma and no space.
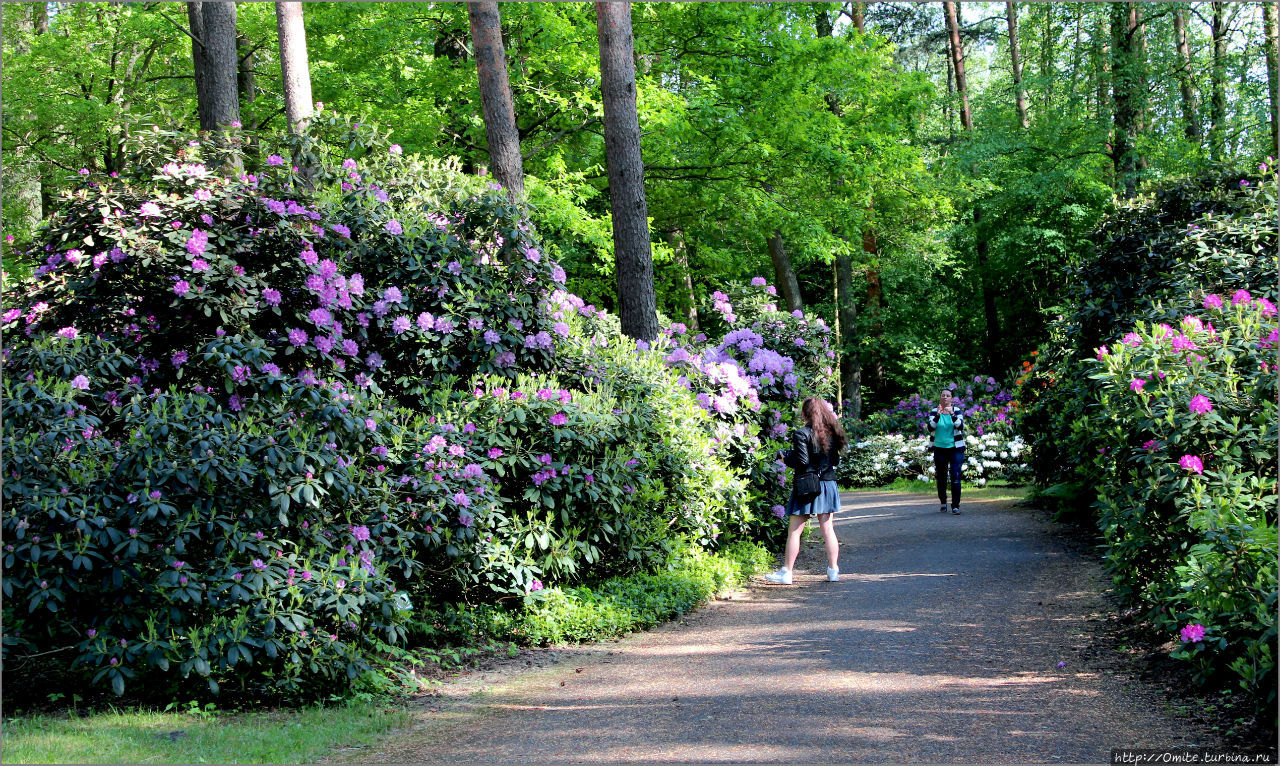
275,159
371,424
199,264
559,419
1193,633
393,227
298,336
360,533
271,297
179,358
401,325
197,242
181,288
341,230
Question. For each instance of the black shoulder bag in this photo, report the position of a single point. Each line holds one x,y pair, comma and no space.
807,486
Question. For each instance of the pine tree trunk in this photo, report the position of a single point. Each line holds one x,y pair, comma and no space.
1011,12
858,11
850,361
295,71
1190,107
680,248
952,12
21,174
495,96
873,367
786,275
1128,84
218,66
1218,102
195,19
246,88
633,258
957,62
1271,20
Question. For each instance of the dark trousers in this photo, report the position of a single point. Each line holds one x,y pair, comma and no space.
948,460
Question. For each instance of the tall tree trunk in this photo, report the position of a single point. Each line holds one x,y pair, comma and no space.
1011,12
858,12
988,292
1128,85
195,19
1102,71
850,361
1048,53
1190,107
633,258
1271,20
295,71
873,367
1077,56
957,62
217,67
495,96
42,18
21,173
1218,103
246,88
785,274
947,106
680,248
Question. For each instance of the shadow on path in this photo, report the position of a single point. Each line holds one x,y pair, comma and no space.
941,643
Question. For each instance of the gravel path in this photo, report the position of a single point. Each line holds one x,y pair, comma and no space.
940,644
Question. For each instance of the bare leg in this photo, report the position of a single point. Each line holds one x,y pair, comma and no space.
826,523
793,540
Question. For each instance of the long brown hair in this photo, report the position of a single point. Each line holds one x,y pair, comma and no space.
826,428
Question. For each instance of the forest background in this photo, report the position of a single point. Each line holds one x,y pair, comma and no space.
810,143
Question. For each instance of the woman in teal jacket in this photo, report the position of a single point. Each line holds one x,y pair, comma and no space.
946,424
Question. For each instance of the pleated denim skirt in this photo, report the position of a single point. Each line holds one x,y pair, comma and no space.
827,501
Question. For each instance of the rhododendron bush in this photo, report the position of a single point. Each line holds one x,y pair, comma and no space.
899,444
253,425
1156,403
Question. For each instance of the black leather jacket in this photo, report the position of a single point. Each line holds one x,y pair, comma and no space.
805,456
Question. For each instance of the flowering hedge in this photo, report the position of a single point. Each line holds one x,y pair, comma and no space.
896,442
1187,507
1154,408
252,425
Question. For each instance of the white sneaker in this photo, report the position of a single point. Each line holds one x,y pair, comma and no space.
781,577
833,574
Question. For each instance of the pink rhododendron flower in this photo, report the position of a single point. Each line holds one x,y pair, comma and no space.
1191,463
1241,296
149,209
1200,404
1137,383
1212,301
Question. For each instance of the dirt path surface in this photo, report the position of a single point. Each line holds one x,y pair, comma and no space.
940,644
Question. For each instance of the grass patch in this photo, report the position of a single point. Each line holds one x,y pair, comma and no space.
141,736
994,490
616,606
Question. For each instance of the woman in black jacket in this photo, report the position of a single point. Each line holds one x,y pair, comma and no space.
815,448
